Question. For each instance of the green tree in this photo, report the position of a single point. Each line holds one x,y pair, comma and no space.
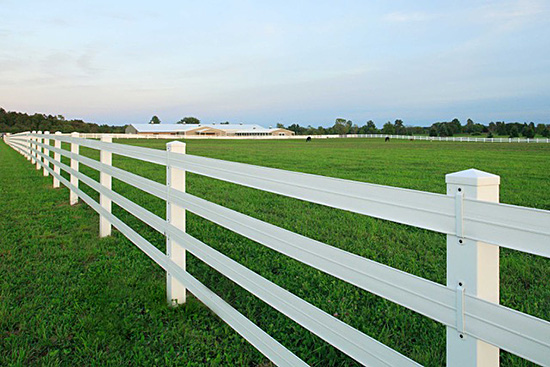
388,128
469,128
514,132
399,128
528,132
154,120
371,127
342,126
189,120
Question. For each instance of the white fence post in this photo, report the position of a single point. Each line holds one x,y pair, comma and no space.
75,149
38,158
28,146
46,141
31,146
175,215
56,158
472,268
105,157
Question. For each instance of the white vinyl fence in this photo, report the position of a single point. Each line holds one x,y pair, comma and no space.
464,139
475,222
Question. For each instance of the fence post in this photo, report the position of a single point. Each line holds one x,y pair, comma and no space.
175,215
28,146
56,158
31,146
47,154
75,150
472,268
38,158
105,157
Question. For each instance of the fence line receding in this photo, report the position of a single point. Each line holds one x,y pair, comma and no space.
475,223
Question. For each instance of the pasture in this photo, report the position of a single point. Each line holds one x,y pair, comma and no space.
68,297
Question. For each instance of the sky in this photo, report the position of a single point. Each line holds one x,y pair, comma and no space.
268,62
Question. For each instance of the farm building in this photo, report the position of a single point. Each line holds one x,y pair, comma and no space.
206,130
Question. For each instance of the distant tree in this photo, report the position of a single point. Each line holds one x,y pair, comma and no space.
433,131
546,132
528,132
342,126
371,127
189,120
514,133
444,130
280,126
469,128
154,120
540,129
398,127
490,135
388,128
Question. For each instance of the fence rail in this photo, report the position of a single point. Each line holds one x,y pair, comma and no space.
471,314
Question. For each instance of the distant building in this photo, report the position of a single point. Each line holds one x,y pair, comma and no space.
206,130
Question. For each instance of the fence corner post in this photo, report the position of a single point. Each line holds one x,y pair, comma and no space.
105,180
75,150
472,268
46,142
175,215
56,159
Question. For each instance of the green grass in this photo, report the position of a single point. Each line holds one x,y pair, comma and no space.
71,298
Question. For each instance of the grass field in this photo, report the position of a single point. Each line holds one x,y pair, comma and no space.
70,298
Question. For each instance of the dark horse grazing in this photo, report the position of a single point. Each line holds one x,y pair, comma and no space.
387,138
308,138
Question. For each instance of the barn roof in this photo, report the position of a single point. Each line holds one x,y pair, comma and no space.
174,128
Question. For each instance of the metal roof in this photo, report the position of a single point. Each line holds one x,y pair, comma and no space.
159,128
173,128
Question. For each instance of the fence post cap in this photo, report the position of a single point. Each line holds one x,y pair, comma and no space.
175,146
472,177
75,134
58,133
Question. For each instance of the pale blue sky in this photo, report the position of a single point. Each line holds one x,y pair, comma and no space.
308,62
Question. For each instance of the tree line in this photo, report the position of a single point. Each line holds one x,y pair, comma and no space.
446,128
16,122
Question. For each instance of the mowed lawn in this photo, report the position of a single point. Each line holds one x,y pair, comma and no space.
68,297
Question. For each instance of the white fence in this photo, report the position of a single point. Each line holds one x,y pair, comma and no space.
302,137
475,223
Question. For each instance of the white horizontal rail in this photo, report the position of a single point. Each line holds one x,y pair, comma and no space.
515,227
511,330
268,346
349,340
130,151
516,332
416,208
